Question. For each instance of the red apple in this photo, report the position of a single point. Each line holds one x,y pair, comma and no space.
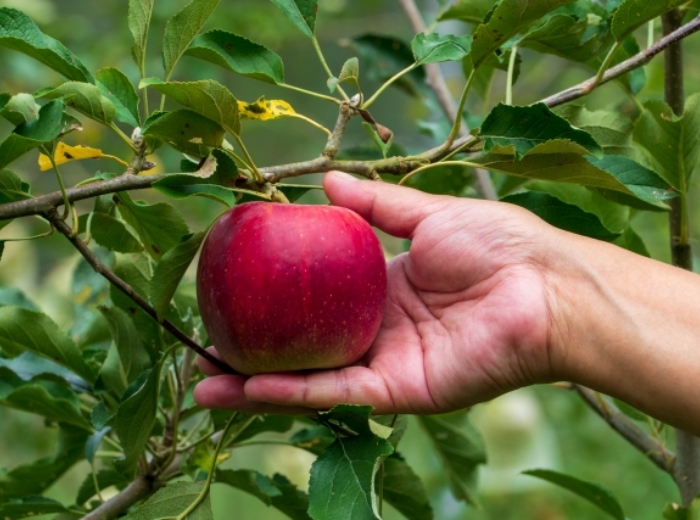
285,287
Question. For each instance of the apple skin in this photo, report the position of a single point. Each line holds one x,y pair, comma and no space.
287,287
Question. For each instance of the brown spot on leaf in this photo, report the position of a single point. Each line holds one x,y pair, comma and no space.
229,46
67,155
156,249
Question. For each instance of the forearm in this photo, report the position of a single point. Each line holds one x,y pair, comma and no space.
629,327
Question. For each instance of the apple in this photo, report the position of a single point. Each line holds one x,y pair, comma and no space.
286,287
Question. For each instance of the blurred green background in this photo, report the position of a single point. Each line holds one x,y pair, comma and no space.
544,427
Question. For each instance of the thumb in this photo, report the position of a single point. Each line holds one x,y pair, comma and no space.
396,210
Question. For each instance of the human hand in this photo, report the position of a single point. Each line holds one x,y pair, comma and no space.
467,315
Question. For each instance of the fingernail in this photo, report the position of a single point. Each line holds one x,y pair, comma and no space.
346,177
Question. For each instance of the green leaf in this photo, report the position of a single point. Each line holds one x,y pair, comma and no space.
19,109
613,216
134,421
132,354
15,296
32,134
160,226
105,478
508,19
632,14
675,512
136,271
569,37
611,173
631,241
12,188
35,478
117,88
433,48
671,142
186,131
181,186
404,490
277,492
239,55
170,271
263,424
611,130
460,448
383,57
30,506
85,98
24,330
20,33
594,493
342,481
444,180
562,215
140,13
524,128
111,233
173,500
47,395
350,72
301,13
206,97
182,28
470,11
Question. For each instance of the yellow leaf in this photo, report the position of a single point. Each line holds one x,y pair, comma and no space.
265,110
65,153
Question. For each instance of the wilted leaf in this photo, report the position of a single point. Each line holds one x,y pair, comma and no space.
265,109
64,153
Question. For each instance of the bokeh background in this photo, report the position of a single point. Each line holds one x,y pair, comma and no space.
543,427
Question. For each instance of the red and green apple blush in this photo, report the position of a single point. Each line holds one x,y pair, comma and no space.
288,287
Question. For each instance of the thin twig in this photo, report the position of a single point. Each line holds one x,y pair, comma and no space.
333,145
436,81
636,61
120,284
650,447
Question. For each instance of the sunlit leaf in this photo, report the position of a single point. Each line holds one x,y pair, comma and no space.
85,98
19,109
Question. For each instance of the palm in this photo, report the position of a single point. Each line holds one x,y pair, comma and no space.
455,315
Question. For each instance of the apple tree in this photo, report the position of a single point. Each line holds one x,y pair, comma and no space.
116,383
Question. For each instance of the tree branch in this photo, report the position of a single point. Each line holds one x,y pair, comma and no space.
139,489
636,61
650,447
99,267
394,165
687,473
436,81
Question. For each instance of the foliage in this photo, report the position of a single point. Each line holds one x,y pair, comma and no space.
116,386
